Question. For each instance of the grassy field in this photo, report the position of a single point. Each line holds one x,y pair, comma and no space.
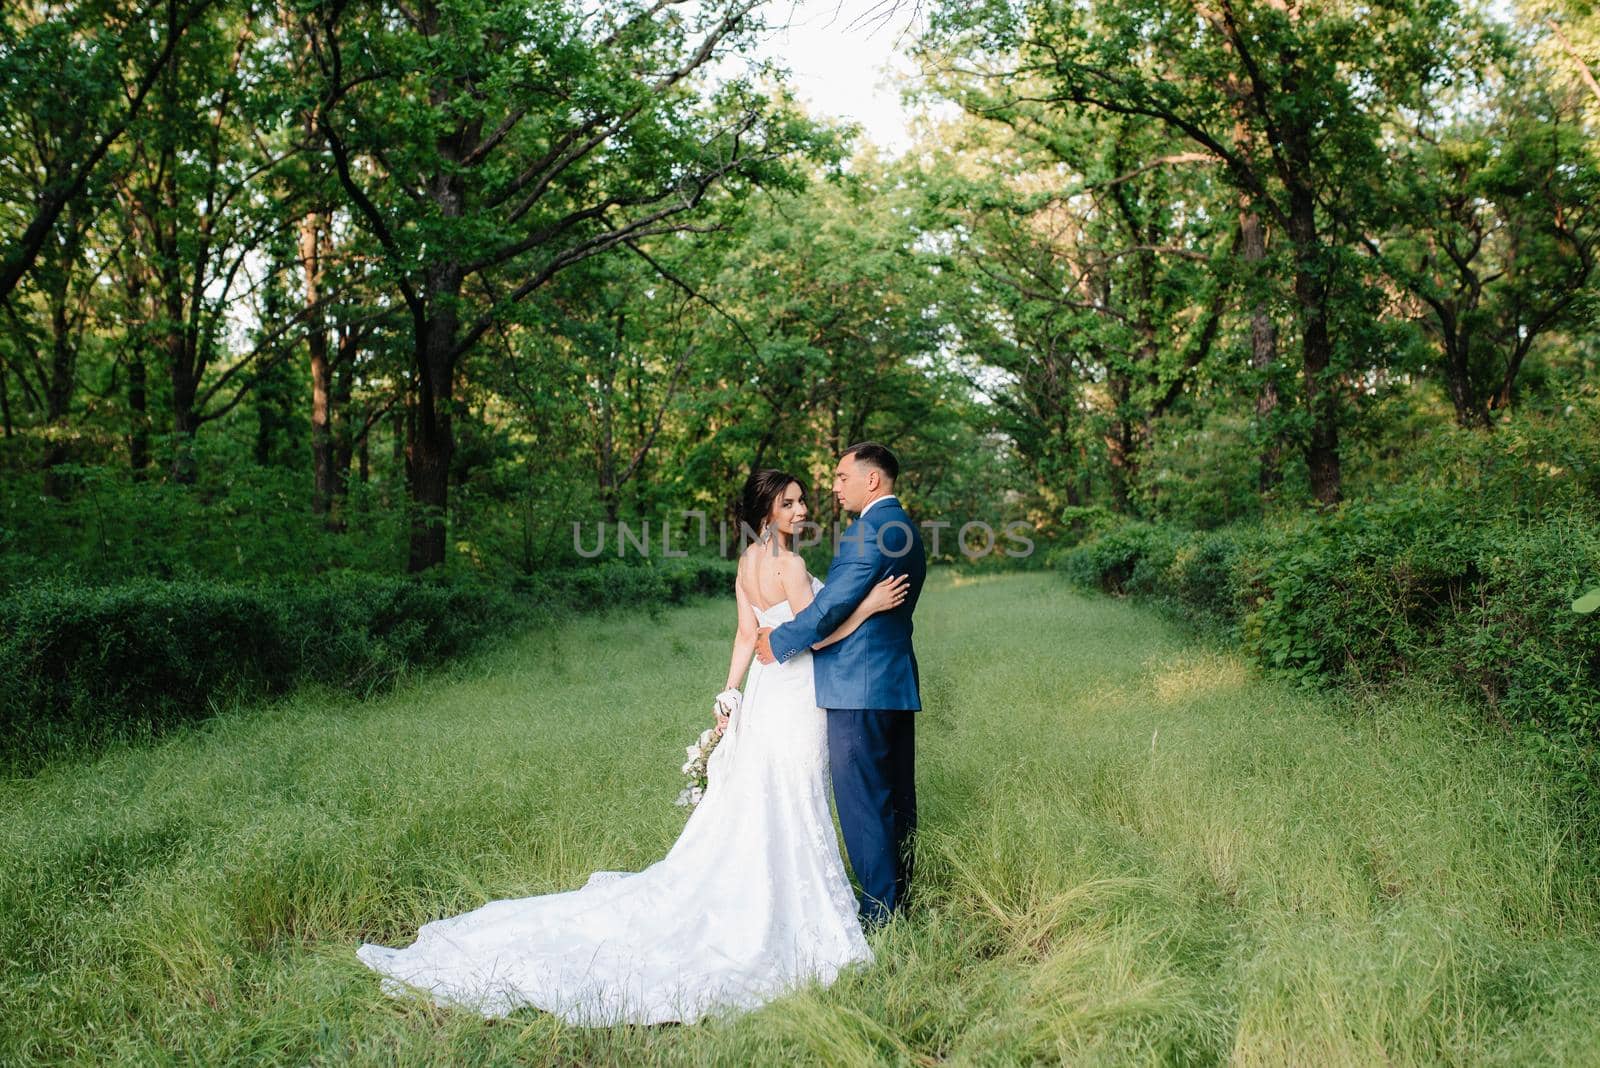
1133,851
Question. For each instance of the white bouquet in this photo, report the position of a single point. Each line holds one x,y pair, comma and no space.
726,704
695,767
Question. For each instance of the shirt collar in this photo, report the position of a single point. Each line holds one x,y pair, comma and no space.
868,508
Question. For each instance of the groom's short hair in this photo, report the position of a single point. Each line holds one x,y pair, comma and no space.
875,455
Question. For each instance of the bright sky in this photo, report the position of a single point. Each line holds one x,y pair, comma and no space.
841,53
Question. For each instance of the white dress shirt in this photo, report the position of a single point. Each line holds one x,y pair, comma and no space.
875,500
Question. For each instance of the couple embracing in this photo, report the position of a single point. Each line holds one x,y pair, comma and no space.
753,898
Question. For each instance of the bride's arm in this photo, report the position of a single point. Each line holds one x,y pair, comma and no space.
887,594
744,638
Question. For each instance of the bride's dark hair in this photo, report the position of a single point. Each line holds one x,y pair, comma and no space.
760,490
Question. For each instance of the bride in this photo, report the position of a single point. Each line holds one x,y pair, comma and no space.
751,900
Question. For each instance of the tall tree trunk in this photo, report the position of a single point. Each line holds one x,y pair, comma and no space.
1470,411
185,423
343,445
431,438
1316,354
1121,448
1263,348
138,388
136,327
321,374
178,341
58,397
139,416
63,349
438,331
5,401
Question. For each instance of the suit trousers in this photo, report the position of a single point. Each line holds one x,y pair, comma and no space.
872,761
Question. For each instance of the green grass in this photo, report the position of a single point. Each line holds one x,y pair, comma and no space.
1133,851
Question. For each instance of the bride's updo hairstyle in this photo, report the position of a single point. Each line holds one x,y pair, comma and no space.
760,490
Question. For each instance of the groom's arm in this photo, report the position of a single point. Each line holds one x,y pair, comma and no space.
850,579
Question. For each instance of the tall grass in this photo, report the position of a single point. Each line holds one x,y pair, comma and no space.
1133,851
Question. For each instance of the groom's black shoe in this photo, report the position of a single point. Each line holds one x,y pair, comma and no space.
873,924
875,915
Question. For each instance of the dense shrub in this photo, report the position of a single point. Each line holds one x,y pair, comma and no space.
1522,647
1199,475
1208,574
1125,559
1375,591
616,583
255,523
86,664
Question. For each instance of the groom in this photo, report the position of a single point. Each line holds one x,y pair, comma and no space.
868,682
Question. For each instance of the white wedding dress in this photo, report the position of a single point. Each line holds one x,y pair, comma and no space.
752,899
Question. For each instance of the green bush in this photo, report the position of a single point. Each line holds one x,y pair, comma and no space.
1364,593
1414,585
1207,574
1123,559
1520,646
88,664
1387,589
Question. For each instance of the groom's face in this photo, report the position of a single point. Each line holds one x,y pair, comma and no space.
850,484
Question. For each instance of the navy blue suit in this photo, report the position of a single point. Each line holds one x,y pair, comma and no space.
870,687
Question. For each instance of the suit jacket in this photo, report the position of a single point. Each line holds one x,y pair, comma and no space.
876,666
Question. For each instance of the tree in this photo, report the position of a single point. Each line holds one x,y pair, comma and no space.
196,188
50,316
489,144
1493,230
1289,100
832,335
73,77
1095,287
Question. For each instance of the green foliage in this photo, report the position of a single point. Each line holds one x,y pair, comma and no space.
92,664
1108,561
239,521
615,583
96,663
1415,585
1496,235
1200,473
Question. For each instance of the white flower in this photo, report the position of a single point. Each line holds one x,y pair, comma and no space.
695,794
692,750
705,737
683,799
688,769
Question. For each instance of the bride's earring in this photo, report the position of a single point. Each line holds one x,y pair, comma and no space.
766,534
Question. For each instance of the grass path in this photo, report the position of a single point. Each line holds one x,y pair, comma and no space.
1133,851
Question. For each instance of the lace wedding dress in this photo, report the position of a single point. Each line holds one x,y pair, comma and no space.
751,900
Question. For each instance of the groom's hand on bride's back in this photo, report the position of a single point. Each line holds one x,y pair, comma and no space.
764,647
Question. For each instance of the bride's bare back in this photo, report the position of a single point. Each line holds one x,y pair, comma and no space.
771,574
